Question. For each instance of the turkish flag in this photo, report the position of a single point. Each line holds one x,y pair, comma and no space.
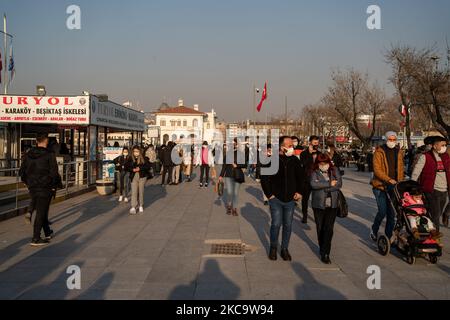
263,98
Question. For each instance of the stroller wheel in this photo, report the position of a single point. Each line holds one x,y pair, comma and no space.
433,258
384,245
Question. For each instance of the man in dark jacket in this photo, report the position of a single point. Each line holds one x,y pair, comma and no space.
166,159
283,189
39,171
307,159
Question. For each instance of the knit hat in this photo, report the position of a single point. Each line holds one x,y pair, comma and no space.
390,134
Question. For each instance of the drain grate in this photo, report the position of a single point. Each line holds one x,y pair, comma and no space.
229,249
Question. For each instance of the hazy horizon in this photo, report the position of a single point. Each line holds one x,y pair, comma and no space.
209,52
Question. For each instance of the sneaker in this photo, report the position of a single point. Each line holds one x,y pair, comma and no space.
373,236
28,218
201,185
39,243
120,198
126,199
50,235
206,185
258,180
133,211
141,209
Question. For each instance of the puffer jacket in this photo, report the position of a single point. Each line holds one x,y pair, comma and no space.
381,168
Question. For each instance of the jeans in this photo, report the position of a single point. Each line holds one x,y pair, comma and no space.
282,214
204,173
41,199
232,191
325,223
137,191
384,210
124,183
436,200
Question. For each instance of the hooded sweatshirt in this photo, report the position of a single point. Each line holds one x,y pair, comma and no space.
39,170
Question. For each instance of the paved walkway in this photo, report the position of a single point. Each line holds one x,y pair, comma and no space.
165,252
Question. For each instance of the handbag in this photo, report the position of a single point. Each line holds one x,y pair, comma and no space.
342,206
213,173
238,175
219,188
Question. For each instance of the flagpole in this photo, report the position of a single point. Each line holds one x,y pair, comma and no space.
5,66
254,102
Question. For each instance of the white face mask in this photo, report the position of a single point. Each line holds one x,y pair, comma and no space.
442,150
289,152
295,144
125,154
324,168
391,144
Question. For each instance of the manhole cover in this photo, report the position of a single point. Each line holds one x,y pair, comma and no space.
229,249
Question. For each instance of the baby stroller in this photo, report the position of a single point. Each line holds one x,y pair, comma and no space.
403,238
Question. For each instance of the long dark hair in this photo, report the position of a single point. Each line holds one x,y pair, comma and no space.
140,159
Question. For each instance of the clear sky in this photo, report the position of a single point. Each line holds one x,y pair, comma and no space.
210,52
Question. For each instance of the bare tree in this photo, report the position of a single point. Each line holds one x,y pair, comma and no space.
352,97
420,82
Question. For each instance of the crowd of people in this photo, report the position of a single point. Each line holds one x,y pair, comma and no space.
304,173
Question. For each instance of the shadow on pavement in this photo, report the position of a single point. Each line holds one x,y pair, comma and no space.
311,288
260,221
55,254
218,286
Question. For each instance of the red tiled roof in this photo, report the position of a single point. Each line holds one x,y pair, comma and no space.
180,110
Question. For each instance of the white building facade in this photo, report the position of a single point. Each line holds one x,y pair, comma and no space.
177,123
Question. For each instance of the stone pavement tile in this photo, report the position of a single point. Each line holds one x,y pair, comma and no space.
186,233
156,231
167,290
173,268
433,291
273,290
270,271
123,278
185,248
109,294
395,291
100,252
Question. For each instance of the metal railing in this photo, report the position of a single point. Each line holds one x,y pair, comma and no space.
75,175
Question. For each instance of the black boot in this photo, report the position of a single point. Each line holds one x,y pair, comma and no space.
273,254
285,255
325,258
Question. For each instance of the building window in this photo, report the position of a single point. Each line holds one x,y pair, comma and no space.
195,123
184,123
208,126
179,123
162,123
173,123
